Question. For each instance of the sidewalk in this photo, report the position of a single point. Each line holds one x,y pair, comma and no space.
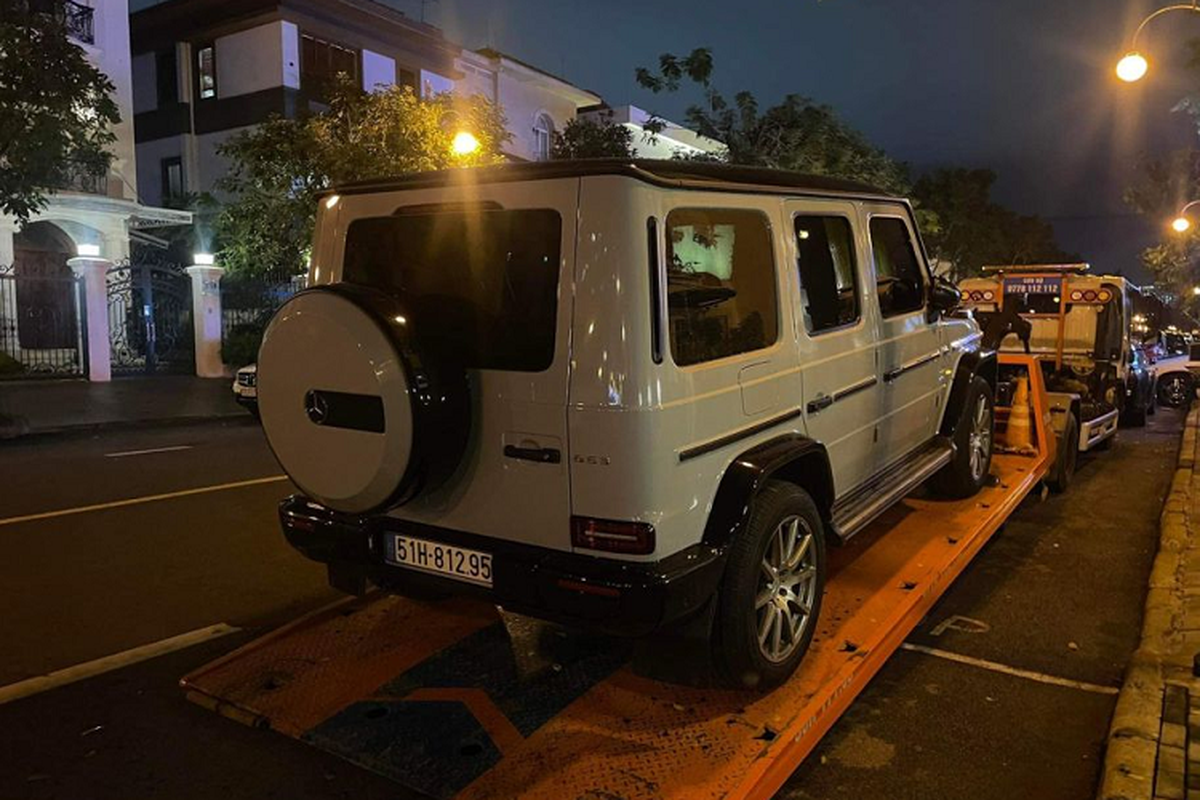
1153,749
30,407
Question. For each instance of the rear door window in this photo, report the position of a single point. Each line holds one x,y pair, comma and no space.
721,288
482,284
828,283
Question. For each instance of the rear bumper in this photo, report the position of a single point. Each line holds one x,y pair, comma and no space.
1094,431
604,594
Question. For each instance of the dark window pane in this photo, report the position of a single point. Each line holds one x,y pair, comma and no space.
828,283
320,63
898,276
166,79
481,285
721,293
172,178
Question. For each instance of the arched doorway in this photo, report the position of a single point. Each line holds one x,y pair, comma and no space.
45,288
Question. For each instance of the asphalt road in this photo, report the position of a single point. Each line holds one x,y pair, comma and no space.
1057,593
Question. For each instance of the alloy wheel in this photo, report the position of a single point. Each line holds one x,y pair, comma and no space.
979,442
786,589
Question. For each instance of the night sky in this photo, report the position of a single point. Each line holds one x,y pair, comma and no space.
1025,87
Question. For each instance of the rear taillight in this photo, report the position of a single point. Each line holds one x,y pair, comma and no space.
631,538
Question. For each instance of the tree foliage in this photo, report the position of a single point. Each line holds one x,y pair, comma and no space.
975,231
278,168
1163,186
56,109
795,134
590,138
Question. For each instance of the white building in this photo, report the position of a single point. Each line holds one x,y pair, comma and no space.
92,218
673,141
536,103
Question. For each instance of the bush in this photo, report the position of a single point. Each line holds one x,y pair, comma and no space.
10,366
240,345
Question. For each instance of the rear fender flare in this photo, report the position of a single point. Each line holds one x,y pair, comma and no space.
792,457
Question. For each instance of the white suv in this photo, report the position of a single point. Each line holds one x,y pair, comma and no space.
621,395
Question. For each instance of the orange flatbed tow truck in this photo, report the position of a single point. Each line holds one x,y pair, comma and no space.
448,700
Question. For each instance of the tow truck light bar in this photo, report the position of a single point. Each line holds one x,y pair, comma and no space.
1078,268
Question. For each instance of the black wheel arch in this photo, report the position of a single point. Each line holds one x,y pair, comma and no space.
792,457
981,362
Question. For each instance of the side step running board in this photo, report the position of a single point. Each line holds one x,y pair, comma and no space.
856,511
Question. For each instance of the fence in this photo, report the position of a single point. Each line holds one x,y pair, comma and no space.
42,327
247,305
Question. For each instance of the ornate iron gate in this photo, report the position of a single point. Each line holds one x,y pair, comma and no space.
41,325
150,317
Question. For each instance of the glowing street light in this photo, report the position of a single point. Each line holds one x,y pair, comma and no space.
464,143
1182,223
1133,67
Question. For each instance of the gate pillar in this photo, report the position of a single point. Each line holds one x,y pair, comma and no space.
93,272
206,319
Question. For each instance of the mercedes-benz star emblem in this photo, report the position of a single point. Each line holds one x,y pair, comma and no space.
316,406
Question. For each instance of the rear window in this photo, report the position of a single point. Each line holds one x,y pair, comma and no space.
482,283
721,296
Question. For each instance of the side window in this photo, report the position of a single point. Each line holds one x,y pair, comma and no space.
898,276
828,283
721,290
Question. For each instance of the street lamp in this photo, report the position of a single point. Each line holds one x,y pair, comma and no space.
1182,223
1133,66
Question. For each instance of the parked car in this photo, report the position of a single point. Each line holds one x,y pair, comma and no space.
245,388
620,395
1177,378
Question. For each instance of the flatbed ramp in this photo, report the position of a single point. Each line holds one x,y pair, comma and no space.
452,700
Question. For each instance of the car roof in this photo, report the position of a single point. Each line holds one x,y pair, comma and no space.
675,173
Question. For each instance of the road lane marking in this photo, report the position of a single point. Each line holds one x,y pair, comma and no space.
127,453
89,669
135,501
1004,669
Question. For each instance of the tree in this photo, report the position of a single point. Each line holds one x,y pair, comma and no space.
797,134
588,138
56,109
974,230
1162,187
278,168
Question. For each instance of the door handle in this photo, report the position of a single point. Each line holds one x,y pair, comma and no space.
542,455
819,403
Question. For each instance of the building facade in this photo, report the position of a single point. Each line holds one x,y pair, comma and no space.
40,314
205,69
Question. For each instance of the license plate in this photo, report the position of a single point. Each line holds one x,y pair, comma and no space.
459,563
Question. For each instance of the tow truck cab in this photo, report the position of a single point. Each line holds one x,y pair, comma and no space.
1079,331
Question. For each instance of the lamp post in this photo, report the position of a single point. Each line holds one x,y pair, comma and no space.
1133,66
1181,223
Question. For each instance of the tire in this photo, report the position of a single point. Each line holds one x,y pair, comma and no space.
1068,457
742,655
1175,390
974,437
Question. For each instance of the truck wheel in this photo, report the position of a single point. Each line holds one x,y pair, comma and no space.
770,597
973,437
1068,456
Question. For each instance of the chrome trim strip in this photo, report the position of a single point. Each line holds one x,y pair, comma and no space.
855,388
921,361
730,438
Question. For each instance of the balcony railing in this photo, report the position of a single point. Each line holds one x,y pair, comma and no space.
80,179
80,21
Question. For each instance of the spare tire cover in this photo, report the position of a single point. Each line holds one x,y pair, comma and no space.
343,397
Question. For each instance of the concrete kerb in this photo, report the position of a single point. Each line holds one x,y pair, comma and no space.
1132,746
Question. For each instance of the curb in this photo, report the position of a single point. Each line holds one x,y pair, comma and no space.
16,430
1131,751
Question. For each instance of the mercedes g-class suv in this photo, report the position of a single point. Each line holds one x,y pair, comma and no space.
618,394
